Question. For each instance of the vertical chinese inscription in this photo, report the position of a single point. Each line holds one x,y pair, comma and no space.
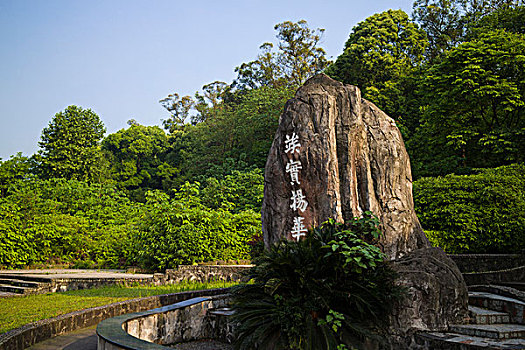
298,199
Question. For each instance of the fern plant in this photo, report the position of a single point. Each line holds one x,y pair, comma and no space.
330,290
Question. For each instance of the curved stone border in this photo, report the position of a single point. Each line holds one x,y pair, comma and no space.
32,333
183,321
500,290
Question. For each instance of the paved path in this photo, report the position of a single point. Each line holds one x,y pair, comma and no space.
81,339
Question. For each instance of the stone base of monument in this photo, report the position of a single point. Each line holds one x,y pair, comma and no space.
436,296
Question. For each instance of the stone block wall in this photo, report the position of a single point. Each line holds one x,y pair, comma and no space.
487,262
207,273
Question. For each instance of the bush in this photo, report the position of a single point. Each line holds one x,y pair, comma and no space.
324,292
183,231
481,213
63,221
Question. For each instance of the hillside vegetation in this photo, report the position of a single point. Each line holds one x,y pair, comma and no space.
452,75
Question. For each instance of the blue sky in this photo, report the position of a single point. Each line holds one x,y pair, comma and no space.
120,57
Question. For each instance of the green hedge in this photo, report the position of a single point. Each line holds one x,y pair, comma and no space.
183,231
65,221
481,213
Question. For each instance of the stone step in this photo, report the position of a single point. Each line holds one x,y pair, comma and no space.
484,316
515,285
493,331
515,308
25,277
21,283
454,341
7,294
14,289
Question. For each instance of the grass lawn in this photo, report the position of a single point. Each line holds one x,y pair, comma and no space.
18,311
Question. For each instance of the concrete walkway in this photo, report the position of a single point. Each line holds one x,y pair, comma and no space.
81,339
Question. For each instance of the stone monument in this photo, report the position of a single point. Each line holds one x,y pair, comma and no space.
336,155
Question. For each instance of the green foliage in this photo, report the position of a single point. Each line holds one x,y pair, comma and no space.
297,59
475,115
511,19
236,136
380,54
183,231
62,220
138,159
481,213
179,108
236,192
441,20
69,146
17,167
330,289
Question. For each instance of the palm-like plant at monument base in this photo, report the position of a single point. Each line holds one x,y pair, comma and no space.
329,290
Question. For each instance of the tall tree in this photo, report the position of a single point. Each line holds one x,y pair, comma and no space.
138,158
441,20
382,52
69,146
475,112
179,108
297,58
447,21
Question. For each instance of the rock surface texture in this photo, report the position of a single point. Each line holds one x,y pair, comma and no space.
348,157
436,296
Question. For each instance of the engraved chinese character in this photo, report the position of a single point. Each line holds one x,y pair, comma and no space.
292,143
293,168
298,200
298,229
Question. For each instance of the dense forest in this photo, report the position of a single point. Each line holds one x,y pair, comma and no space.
451,74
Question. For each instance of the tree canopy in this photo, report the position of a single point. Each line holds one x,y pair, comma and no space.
69,146
298,58
380,54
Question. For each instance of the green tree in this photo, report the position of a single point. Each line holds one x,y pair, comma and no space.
380,55
137,157
238,134
511,19
236,192
447,22
475,113
69,146
179,107
441,20
66,221
298,57
16,168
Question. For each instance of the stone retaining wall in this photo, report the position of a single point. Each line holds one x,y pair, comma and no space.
181,322
487,262
207,273
494,277
32,333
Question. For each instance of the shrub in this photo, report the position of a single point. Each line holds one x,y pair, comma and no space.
183,231
323,292
64,221
481,213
